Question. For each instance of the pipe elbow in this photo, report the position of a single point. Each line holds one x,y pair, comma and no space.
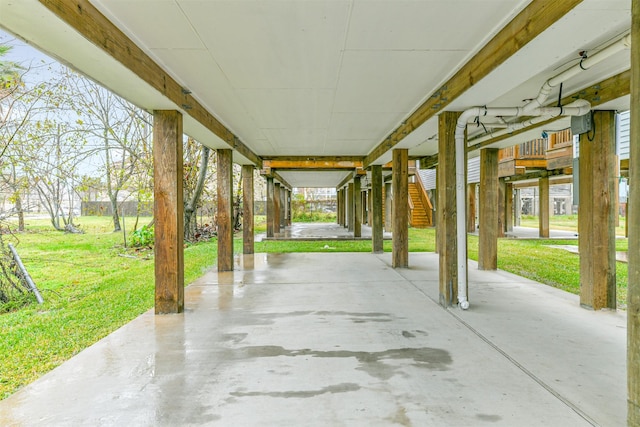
464,304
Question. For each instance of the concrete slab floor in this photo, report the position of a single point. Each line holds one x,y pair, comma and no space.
319,231
344,340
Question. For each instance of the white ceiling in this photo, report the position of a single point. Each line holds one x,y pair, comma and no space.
326,77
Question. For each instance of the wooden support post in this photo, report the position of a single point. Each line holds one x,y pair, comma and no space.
247,209
471,208
357,225
370,207
283,207
436,203
377,235
400,185
518,209
339,207
508,206
276,208
388,208
290,215
271,208
543,215
488,234
597,214
225,209
633,221
446,209
351,217
502,208
168,211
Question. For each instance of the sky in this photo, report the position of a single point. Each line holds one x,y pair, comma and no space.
28,57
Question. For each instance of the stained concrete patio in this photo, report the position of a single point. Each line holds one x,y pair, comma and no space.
345,340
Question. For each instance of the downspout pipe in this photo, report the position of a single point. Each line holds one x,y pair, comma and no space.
539,114
577,108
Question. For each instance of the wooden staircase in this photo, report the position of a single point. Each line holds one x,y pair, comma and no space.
421,210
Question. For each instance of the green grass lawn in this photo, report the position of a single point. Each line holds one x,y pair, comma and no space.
564,222
90,290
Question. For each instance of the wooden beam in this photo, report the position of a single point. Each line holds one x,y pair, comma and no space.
527,25
597,213
313,158
168,208
502,208
97,29
400,188
471,208
633,222
377,235
351,217
225,209
488,218
277,210
271,208
429,162
357,200
597,94
324,164
508,206
543,211
446,210
247,210
346,180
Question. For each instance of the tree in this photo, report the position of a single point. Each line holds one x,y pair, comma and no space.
120,131
196,171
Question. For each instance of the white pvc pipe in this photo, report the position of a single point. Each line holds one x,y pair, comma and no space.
576,108
532,108
586,63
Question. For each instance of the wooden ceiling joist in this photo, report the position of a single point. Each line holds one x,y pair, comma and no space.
316,164
600,93
527,25
96,28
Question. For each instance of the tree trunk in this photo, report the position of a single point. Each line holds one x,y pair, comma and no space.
116,216
190,218
19,211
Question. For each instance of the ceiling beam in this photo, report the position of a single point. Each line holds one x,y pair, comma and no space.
600,93
346,180
96,28
281,180
429,162
527,25
326,164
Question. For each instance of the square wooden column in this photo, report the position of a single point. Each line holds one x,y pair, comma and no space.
247,209
400,189
343,207
351,216
168,208
283,207
225,209
471,208
633,215
276,208
377,235
357,194
508,206
488,219
271,208
388,208
446,209
517,212
597,215
502,208
543,203
289,213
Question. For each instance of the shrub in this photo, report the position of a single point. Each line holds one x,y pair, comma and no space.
142,237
